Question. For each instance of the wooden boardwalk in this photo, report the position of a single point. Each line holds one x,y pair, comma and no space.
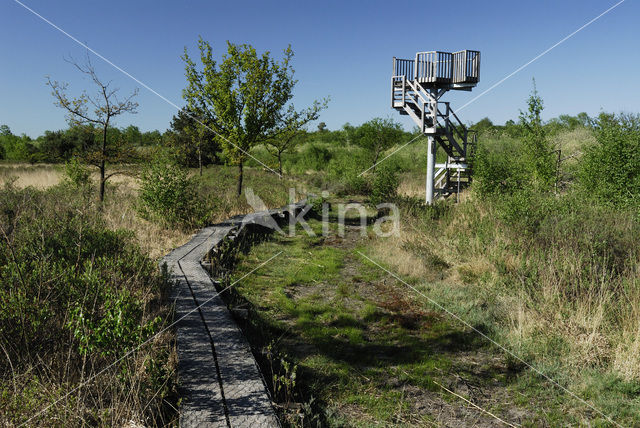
218,378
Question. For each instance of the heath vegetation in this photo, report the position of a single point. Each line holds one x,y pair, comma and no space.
541,254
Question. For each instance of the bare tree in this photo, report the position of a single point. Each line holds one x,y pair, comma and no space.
97,110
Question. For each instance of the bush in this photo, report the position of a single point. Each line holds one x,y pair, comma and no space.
498,167
117,327
504,164
346,169
385,185
524,209
76,173
169,195
310,157
316,203
16,148
538,152
610,169
74,298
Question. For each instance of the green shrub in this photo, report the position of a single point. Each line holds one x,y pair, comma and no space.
610,169
524,209
504,164
345,169
376,136
76,173
58,252
537,150
385,184
16,148
316,203
74,297
167,194
310,157
498,167
113,329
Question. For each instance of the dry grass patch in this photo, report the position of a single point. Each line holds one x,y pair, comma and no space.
412,184
393,251
27,175
120,213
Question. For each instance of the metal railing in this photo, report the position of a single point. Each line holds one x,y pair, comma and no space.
458,127
398,91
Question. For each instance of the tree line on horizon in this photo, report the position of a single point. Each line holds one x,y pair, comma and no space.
61,145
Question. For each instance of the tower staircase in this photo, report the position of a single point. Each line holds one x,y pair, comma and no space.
416,88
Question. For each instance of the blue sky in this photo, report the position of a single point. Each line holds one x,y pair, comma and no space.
342,49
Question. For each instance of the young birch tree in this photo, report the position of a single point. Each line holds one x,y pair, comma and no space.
538,151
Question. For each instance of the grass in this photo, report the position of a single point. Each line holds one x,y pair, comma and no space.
26,175
366,350
217,186
564,298
553,278
272,192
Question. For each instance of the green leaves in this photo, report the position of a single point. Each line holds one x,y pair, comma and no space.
168,194
242,97
610,170
526,161
538,152
62,272
385,185
376,135
115,328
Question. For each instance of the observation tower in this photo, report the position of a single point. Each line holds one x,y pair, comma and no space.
416,88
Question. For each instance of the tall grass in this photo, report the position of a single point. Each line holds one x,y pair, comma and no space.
562,292
552,275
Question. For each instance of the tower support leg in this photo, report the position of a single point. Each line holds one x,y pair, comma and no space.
431,170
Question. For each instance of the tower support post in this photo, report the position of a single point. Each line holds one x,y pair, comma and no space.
431,169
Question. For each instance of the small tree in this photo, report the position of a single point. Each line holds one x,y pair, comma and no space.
17,148
192,143
56,146
198,133
167,194
385,185
483,125
292,126
105,106
539,154
242,98
132,135
152,138
377,135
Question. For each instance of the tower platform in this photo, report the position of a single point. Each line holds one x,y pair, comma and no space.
416,88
